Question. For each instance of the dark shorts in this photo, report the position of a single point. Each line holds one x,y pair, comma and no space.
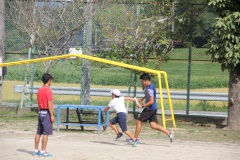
45,126
121,118
148,115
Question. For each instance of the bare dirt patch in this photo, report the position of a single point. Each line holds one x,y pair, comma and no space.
192,141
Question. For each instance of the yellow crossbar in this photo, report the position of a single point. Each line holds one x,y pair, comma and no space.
114,63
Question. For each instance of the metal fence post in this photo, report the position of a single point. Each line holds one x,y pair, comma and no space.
189,66
2,37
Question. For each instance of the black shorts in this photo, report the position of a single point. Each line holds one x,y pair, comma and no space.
44,123
148,115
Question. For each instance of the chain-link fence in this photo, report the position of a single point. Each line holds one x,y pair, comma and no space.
199,84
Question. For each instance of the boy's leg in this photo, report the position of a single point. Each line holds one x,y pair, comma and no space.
37,139
144,117
112,124
138,128
155,126
114,127
47,129
129,134
134,141
44,142
44,153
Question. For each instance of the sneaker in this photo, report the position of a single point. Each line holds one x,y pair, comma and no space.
129,140
171,135
45,154
119,136
104,128
134,144
36,153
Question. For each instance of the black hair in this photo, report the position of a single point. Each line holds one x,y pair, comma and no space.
145,76
115,95
46,77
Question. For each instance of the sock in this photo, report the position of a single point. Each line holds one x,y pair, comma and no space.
35,150
42,151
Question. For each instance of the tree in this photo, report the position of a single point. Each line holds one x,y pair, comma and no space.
194,18
225,49
137,32
53,26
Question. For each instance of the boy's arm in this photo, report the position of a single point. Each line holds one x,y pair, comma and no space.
141,99
105,109
150,102
129,98
134,99
51,110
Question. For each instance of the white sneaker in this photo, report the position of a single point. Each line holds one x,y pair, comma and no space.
171,135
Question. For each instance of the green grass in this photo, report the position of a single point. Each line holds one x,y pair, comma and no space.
183,53
204,74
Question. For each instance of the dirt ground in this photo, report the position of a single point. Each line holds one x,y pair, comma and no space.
15,145
192,141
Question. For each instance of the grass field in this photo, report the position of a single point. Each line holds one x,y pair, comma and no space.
205,77
204,74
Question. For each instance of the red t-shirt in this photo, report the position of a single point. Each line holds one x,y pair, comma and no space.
44,95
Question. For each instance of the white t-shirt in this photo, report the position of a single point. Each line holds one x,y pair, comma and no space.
118,104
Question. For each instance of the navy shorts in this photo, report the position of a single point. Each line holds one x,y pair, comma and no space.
121,118
45,126
148,115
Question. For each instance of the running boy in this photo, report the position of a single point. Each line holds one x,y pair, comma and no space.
117,103
150,109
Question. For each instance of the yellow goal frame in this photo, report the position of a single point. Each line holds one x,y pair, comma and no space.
114,63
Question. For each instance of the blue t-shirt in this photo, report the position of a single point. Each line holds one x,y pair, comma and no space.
149,92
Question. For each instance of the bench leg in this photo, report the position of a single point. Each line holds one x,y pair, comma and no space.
67,117
79,118
102,118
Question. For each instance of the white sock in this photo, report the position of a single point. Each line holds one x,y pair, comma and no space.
35,150
42,151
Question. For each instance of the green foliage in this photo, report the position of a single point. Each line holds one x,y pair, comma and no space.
192,17
137,35
224,45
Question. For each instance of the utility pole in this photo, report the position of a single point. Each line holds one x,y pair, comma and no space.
2,38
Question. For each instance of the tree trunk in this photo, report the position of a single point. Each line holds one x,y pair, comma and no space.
234,99
86,65
86,80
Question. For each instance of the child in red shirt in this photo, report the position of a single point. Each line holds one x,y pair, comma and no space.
45,116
